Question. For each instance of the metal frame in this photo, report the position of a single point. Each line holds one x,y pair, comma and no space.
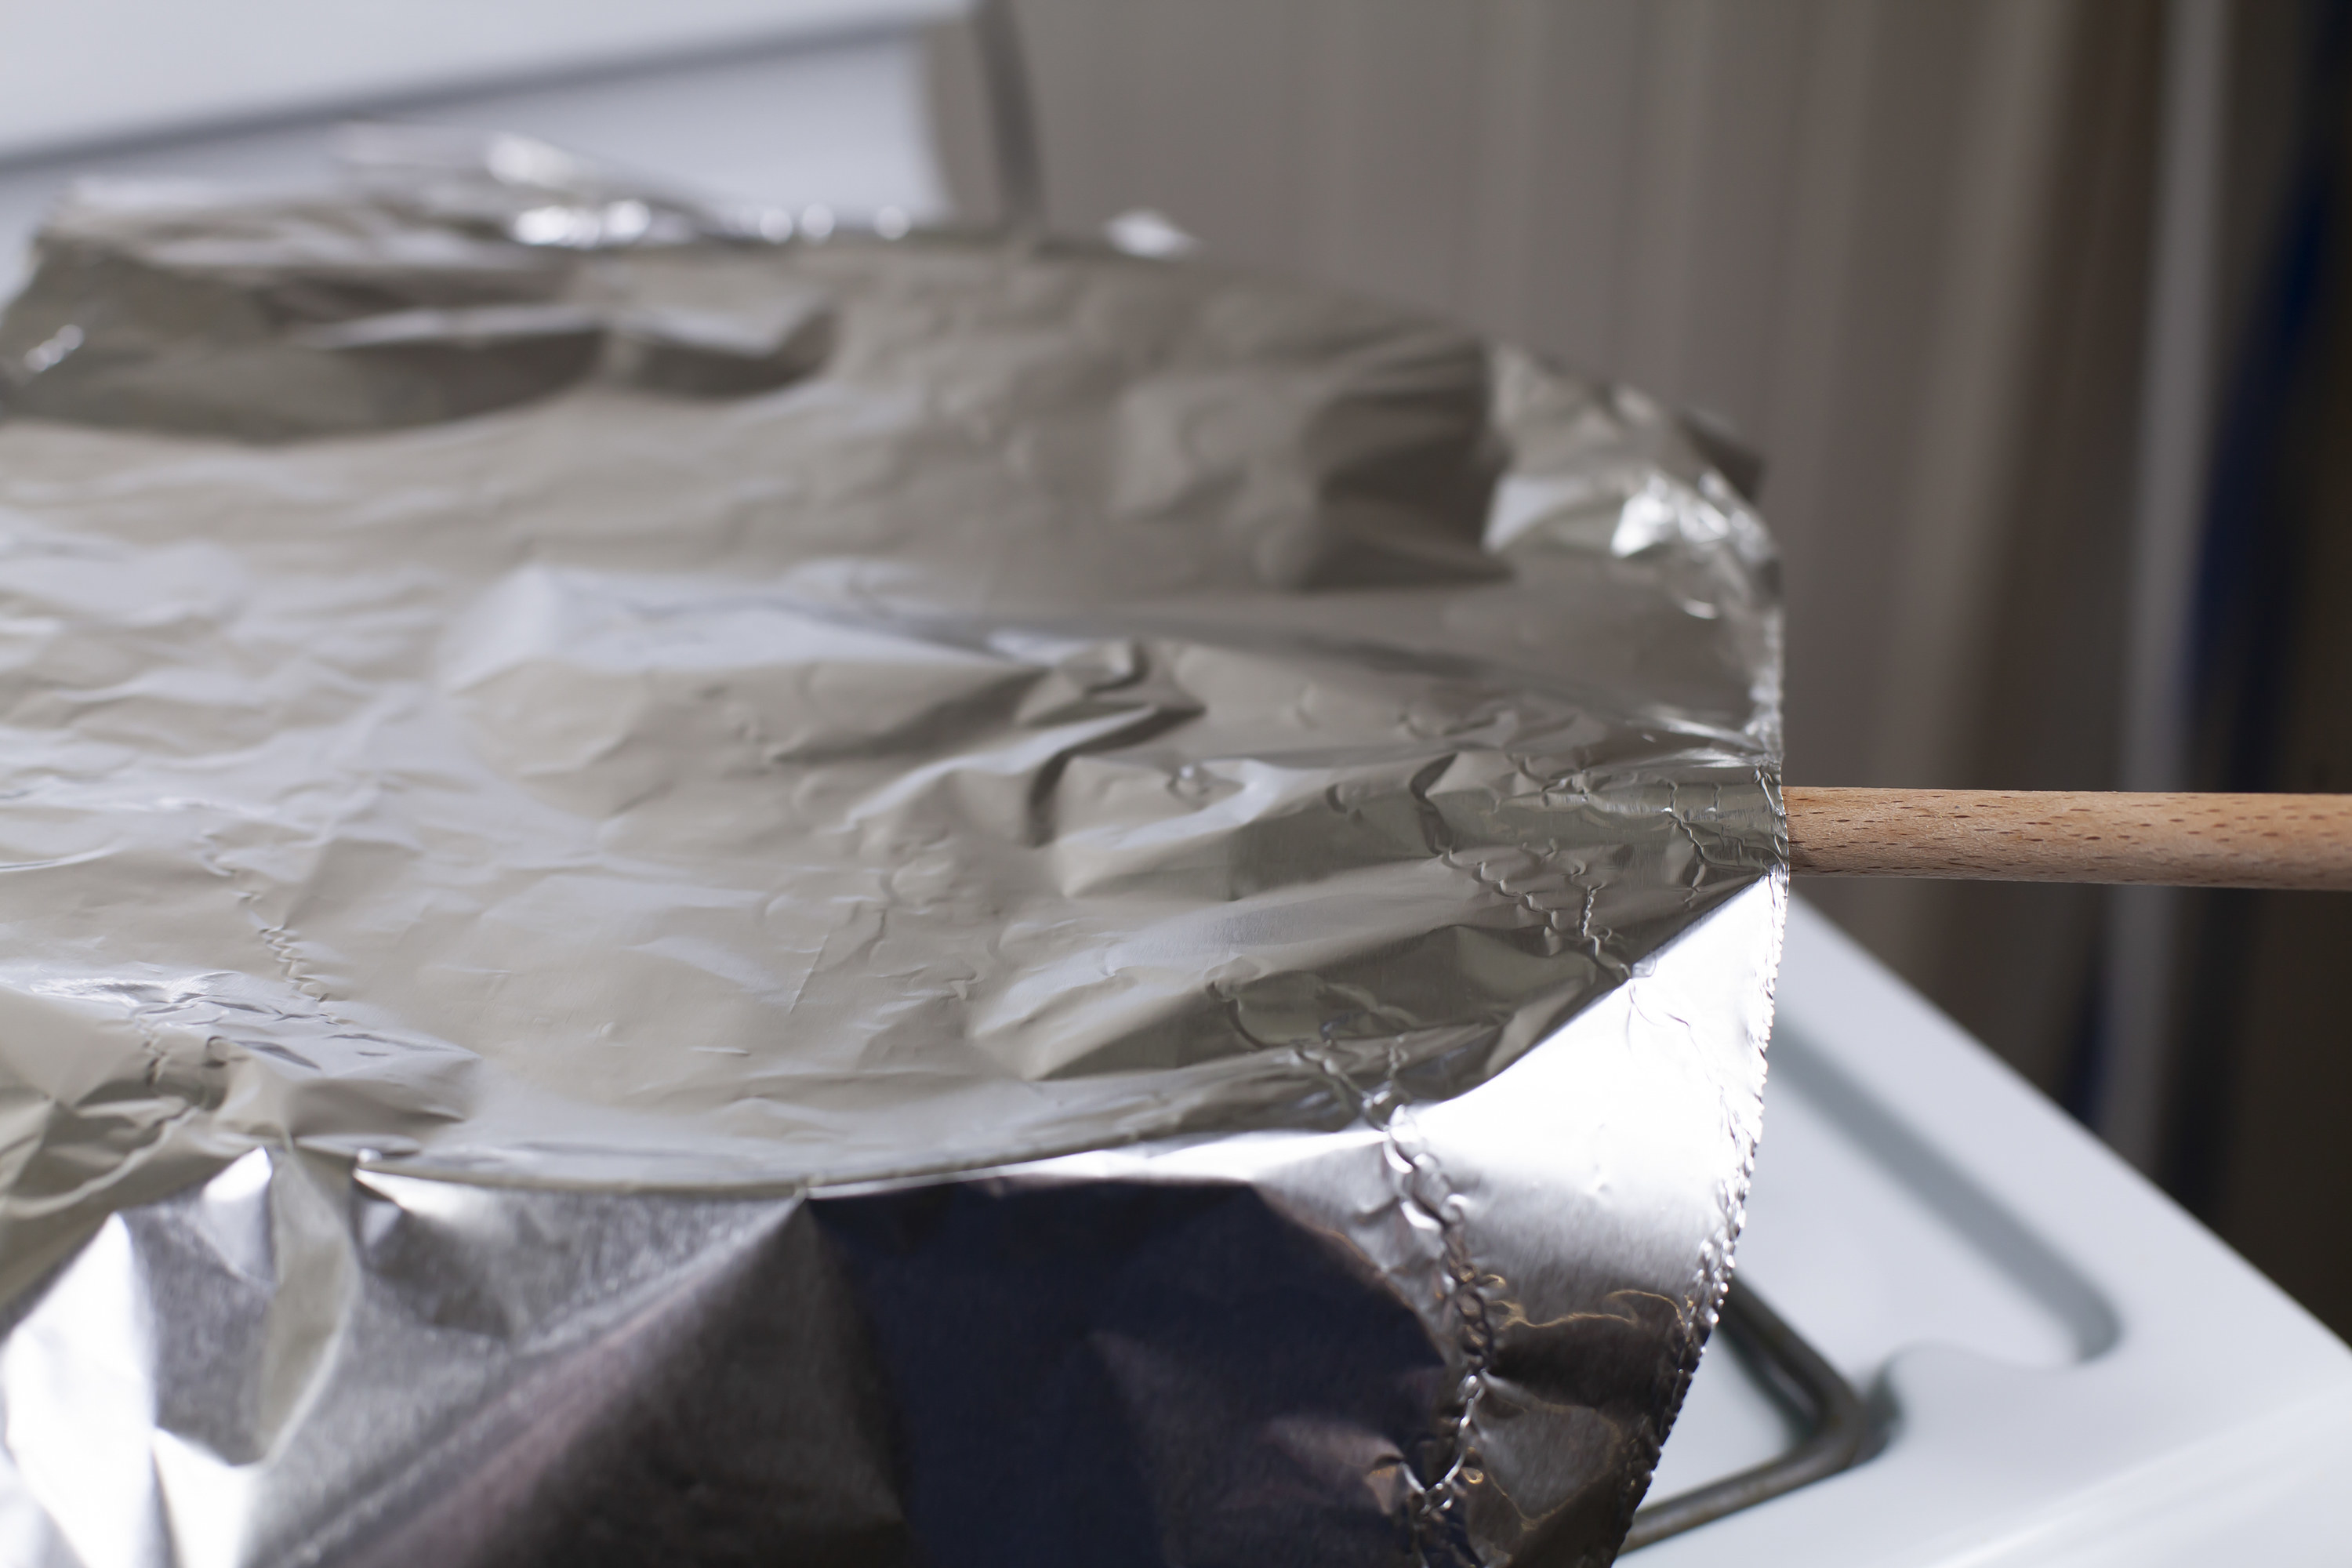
1012,119
1837,1424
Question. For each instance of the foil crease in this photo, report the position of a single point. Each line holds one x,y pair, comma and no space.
675,893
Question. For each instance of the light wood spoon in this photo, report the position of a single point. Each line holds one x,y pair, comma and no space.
2301,841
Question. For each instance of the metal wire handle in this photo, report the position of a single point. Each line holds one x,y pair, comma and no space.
1012,117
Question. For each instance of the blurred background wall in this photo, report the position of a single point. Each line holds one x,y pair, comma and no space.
1986,285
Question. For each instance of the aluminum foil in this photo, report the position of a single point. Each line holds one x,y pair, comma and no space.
676,894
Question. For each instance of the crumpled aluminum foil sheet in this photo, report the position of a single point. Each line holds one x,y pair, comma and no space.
676,898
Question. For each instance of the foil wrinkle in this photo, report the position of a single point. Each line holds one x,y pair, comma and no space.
677,890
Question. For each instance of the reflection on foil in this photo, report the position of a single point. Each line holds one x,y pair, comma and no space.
692,895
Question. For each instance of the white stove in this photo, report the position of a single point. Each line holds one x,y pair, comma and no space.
2055,1365
2058,1365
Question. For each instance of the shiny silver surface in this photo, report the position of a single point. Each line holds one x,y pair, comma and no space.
1033,907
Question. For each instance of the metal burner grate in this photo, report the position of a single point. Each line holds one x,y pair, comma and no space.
1836,1424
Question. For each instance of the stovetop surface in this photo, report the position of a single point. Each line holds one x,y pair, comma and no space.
2059,1365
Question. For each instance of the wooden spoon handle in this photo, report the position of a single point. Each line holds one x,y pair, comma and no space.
2065,836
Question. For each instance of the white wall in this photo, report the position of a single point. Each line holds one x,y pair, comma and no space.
786,101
